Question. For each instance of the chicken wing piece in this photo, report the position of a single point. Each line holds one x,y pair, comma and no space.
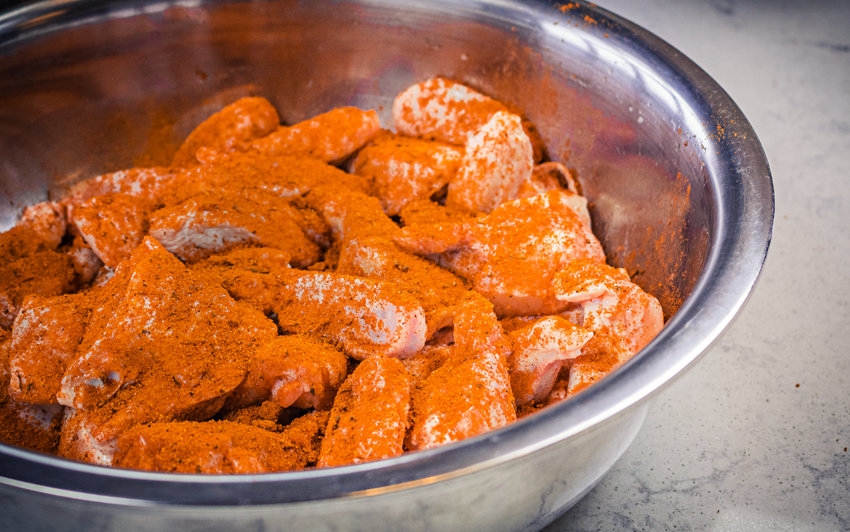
80,440
440,109
44,342
260,175
540,350
330,137
252,275
406,169
624,318
512,255
428,212
146,183
369,417
294,370
470,394
48,220
365,317
216,447
439,291
113,225
498,159
33,427
363,230
219,221
164,345
235,126
612,304
29,265
351,214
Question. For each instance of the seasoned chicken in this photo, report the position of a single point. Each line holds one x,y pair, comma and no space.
330,137
406,169
253,275
26,425
45,337
440,109
365,317
624,318
219,447
33,427
235,126
612,304
540,350
113,225
259,176
512,255
48,220
219,221
428,212
470,393
29,265
368,420
363,231
165,345
294,370
145,183
498,159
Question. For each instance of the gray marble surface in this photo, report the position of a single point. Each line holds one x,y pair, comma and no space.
755,437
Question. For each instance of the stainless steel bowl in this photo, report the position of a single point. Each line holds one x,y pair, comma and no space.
680,190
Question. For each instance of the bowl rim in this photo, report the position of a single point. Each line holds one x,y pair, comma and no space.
744,203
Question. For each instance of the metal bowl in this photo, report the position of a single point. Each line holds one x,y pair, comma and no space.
680,190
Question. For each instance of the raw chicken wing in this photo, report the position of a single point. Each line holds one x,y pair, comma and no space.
512,255
624,317
45,337
293,370
497,161
113,225
330,137
365,317
440,109
234,126
369,417
218,447
165,345
406,169
471,392
540,351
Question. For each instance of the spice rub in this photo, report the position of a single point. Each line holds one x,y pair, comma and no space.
314,295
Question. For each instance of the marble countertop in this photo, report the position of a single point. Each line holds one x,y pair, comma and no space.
756,436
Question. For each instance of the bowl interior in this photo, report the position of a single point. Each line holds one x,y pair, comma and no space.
101,89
